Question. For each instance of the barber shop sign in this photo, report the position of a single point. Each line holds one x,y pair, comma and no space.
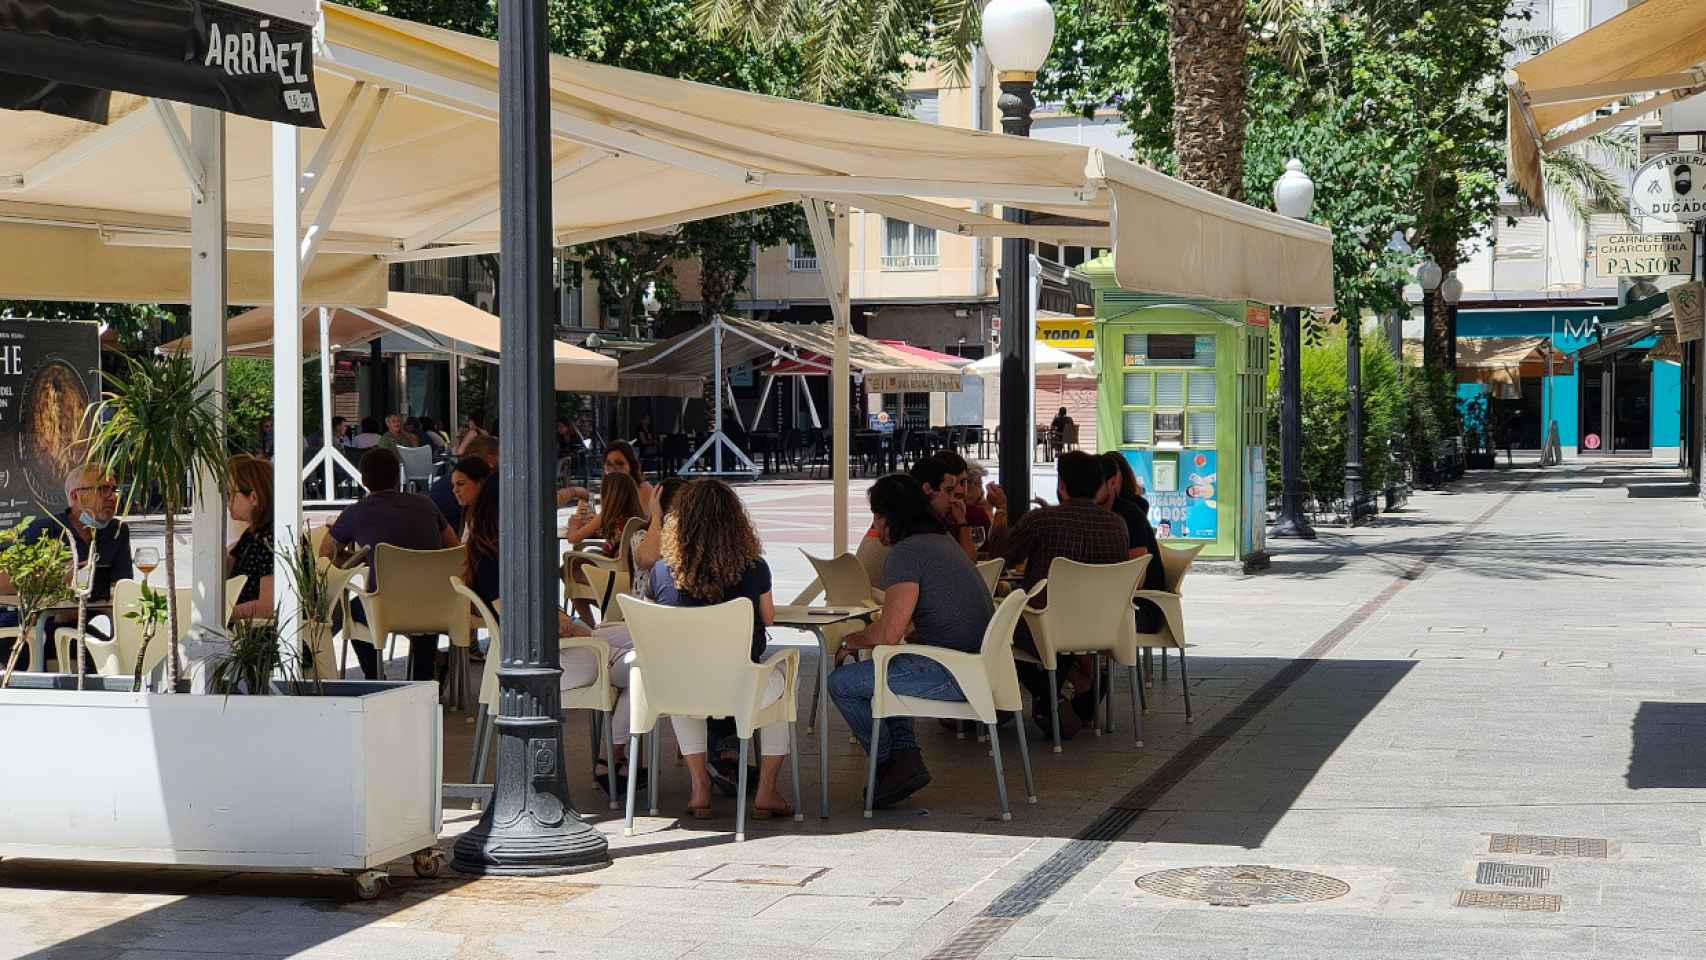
1665,188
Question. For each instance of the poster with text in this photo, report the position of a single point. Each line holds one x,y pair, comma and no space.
1192,511
49,374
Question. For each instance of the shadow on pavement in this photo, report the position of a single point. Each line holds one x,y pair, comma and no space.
1669,746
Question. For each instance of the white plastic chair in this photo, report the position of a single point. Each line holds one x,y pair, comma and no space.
990,571
599,695
417,466
1171,636
117,657
408,597
842,581
1088,611
697,662
988,680
620,564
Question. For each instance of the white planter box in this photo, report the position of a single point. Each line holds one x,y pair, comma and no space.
339,782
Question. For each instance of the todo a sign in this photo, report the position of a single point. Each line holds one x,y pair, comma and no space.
1665,188
1644,254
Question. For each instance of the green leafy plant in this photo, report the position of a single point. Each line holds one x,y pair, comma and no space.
40,570
150,612
158,426
308,578
252,657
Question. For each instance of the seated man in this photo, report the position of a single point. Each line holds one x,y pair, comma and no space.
91,504
933,595
1077,529
1134,511
388,515
939,476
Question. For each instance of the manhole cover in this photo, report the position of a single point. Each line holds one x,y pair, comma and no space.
1501,900
763,874
1243,886
1527,845
1492,874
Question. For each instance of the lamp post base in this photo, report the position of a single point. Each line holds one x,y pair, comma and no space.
572,847
1291,528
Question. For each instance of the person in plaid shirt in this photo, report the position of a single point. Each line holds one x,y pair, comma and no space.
1080,529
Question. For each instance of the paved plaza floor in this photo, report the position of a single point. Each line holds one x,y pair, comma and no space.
1475,724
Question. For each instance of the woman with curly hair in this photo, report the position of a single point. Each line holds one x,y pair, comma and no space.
711,555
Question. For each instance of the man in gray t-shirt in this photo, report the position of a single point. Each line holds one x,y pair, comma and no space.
933,596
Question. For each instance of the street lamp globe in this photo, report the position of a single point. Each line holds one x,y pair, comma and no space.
1429,274
594,341
1294,192
1399,245
1451,291
1018,34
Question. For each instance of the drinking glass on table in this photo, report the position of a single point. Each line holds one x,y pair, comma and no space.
146,559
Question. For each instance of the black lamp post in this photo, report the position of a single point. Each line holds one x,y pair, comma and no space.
1294,194
528,827
1017,35
1353,414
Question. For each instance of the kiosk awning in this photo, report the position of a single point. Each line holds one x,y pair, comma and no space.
1656,47
1499,360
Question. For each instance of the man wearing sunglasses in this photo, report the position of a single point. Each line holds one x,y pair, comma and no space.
91,507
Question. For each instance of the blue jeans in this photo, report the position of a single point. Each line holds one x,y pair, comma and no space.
852,686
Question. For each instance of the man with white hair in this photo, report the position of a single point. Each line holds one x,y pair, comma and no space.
91,505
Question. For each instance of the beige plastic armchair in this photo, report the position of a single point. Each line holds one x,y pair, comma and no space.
603,596
117,657
990,571
697,662
1088,611
410,596
1171,636
842,581
989,682
598,695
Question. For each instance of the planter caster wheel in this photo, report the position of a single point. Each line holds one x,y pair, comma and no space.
369,884
428,863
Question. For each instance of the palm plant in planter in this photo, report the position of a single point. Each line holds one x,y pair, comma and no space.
311,582
159,426
38,569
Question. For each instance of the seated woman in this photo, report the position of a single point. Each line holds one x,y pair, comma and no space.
465,481
250,504
932,595
649,548
619,457
603,531
711,555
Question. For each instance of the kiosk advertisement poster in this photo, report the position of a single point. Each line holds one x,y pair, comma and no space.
1183,494
50,371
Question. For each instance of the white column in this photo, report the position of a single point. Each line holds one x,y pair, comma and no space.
286,354
451,429
717,391
207,328
840,388
326,445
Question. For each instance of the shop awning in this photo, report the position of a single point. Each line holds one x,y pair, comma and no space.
1657,47
436,323
407,169
680,366
1047,361
947,359
1495,360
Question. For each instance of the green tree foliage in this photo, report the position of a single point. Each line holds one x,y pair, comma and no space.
248,400
40,570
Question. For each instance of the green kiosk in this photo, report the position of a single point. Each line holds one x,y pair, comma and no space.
1182,394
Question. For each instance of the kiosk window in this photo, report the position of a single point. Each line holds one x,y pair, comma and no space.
1137,389
1169,389
1199,428
1202,389
1172,348
1136,426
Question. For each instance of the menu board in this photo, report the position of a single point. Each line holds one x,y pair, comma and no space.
50,371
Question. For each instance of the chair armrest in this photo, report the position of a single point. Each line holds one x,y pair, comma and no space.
601,652
966,669
789,658
590,556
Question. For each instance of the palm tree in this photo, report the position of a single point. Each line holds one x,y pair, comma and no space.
1206,51
159,426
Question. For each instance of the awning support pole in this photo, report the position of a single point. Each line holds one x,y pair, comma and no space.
287,356
833,239
763,398
207,330
811,405
717,441
328,443
455,425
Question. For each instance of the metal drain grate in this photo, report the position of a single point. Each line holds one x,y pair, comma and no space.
1243,886
1528,845
1492,874
1503,900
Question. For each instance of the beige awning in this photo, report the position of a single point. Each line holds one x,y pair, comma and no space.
1656,47
1501,360
679,366
447,323
408,169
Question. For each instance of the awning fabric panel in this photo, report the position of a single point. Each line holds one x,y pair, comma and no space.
1655,39
1506,360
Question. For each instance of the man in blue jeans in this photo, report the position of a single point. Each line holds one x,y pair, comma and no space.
933,596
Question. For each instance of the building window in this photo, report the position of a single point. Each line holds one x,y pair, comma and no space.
568,282
908,246
1523,240
802,256
924,106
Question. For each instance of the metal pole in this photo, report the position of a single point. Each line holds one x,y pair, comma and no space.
1016,103
1353,419
717,372
207,328
327,441
529,827
841,377
1291,522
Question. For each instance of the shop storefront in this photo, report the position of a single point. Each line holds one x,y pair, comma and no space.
1616,398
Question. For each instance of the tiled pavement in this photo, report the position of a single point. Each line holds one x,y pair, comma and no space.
1525,654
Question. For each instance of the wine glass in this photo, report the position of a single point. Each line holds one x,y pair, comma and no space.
146,558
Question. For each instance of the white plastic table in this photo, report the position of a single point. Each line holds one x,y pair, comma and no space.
813,619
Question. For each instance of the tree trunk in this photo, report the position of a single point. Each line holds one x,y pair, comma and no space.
1206,48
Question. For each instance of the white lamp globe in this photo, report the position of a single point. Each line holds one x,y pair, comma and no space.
1451,291
1399,245
1294,192
1017,34
1429,274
